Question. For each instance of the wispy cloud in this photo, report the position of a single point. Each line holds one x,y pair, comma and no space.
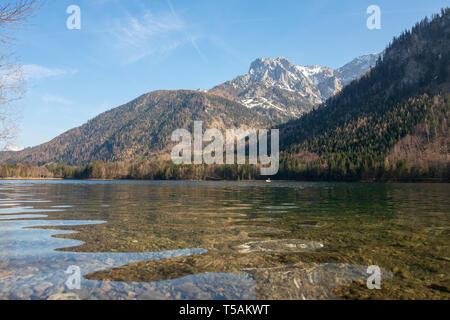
34,71
149,34
189,36
52,98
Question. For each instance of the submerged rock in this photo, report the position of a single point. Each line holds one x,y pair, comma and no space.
64,296
294,245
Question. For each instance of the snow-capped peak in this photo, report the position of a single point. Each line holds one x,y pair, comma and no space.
279,84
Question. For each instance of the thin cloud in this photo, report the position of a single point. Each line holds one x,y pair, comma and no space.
34,71
150,34
189,36
52,98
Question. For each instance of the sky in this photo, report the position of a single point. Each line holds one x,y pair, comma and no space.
125,48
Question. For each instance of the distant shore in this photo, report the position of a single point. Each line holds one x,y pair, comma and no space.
168,171
34,179
418,181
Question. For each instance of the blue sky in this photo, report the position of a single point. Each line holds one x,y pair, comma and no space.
129,47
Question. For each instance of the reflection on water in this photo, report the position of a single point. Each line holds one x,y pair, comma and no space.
31,268
222,240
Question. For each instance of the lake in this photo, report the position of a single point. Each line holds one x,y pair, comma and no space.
223,240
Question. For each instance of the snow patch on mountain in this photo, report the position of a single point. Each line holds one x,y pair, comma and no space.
290,89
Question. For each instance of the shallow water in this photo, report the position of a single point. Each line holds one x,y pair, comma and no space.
222,240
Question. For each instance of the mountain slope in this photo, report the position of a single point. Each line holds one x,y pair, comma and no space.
356,68
142,127
282,90
138,129
385,118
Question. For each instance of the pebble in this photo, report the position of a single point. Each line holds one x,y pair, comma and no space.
64,296
106,287
43,286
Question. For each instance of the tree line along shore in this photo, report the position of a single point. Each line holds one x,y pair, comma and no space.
290,169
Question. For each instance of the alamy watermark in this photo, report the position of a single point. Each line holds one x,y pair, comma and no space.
74,280
73,22
374,280
374,20
191,151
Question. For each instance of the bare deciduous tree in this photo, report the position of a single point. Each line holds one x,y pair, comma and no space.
13,14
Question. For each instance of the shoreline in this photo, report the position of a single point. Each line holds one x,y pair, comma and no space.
223,180
4,179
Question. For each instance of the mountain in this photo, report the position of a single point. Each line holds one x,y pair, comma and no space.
274,90
281,90
391,123
139,129
356,68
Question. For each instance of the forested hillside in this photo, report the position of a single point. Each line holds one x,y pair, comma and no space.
362,133
390,124
140,129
